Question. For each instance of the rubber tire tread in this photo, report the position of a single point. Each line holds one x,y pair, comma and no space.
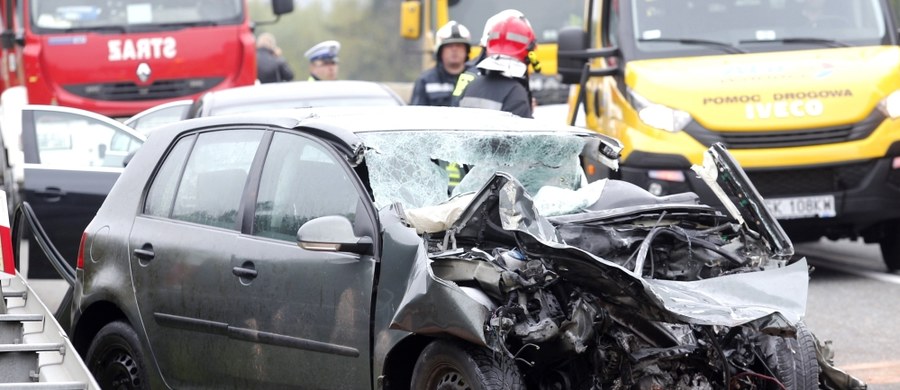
795,360
123,331
890,248
485,369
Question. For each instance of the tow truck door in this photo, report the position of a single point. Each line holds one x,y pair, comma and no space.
72,158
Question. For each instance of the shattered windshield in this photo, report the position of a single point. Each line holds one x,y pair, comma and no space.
414,168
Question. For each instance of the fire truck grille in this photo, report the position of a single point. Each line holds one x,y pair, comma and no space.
782,139
806,181
160,89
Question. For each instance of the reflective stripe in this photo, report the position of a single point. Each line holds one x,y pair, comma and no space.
477,102
438,87
511,36
462,83
454,174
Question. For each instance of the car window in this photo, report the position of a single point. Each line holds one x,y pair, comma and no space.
210,189
160,117
301,180
77,141
162,192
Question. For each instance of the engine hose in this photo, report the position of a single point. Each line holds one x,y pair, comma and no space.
24,213
681,236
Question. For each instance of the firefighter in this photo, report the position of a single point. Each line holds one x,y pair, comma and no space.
323,61
472,72
270,65
503,84
435,85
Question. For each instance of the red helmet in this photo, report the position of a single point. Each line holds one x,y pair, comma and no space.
511,37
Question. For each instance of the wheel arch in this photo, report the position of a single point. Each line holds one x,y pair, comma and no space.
94,318
399,362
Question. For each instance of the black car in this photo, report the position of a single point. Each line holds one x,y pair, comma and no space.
327,249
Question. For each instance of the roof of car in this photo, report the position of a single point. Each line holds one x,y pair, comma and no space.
299,90
346,123
368,119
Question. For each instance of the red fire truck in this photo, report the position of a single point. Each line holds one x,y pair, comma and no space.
119,57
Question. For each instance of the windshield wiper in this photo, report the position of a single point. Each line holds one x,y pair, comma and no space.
821,41
726,47
98,29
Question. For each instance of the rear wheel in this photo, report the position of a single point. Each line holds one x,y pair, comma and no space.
890,247
793,360
445,365
116,358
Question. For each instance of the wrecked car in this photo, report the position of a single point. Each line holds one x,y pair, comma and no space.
327,248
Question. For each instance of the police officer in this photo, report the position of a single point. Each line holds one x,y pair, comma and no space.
270,66
503,84
323,61
435,85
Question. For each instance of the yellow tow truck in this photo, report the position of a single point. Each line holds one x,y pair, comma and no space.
804,93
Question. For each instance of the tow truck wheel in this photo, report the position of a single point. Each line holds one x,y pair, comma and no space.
445,365
116,359
793,360
890,247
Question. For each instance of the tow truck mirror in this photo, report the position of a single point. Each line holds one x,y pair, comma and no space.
571,40
574,54
281,7
410,19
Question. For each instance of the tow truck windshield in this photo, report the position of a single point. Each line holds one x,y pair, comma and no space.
546,17
679,28
55,16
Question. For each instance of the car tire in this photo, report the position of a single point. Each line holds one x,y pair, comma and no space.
890,247
116,358
793,360
450,366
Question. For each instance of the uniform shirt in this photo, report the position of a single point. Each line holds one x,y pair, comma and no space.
497,92
434,87
271,68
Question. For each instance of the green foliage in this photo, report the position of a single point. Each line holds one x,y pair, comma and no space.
371,46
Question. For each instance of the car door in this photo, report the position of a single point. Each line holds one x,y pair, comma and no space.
72,158
224,307
163,114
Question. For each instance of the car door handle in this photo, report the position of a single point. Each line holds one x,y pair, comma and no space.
249,273
51,194
145,252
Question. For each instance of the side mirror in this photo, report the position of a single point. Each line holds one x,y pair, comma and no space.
281,7
571,39
411,19
332,233
101,151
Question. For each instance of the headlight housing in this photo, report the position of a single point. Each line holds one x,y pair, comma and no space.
890,105
663,117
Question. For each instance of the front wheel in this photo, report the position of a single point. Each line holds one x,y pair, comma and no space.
890,247
116,358
445,365
793,360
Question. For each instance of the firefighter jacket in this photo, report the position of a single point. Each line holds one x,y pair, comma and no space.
495,91
434,87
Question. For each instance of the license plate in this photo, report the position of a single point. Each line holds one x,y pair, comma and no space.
821,206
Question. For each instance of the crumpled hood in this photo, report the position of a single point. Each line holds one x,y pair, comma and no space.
771,91
503,210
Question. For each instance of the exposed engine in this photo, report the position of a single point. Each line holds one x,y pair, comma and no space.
571,338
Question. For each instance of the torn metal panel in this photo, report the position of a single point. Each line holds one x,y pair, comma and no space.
745,297
433,306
